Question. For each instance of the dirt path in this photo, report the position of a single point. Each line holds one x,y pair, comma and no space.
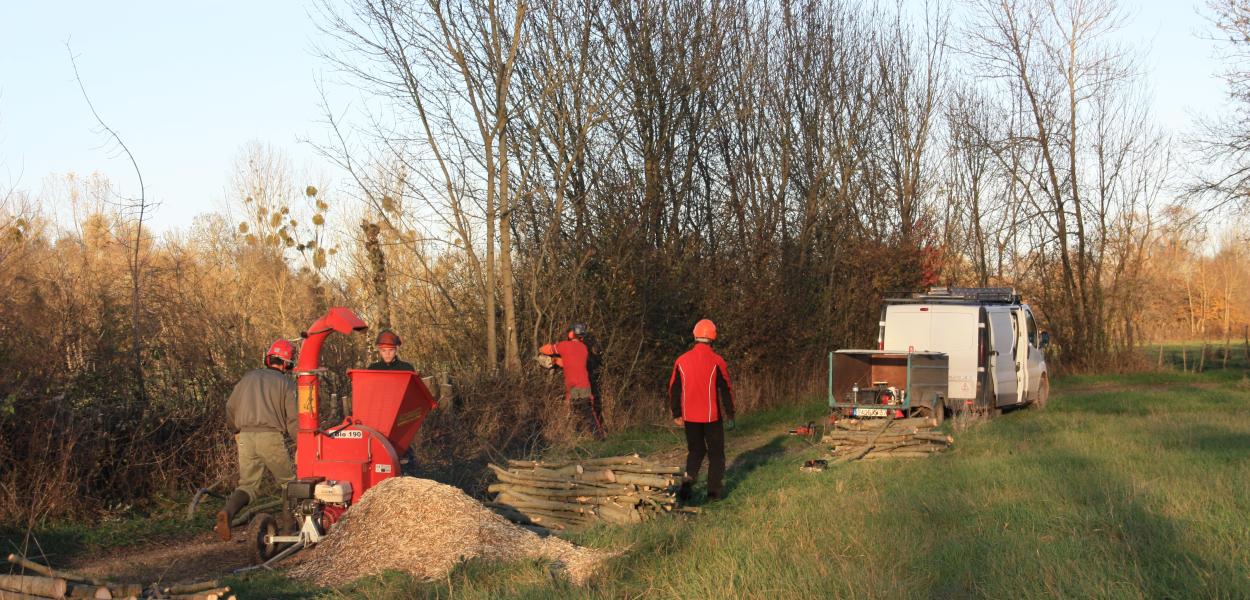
203,556
171,561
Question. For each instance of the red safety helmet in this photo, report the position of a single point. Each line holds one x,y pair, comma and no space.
705,329
388,338
283,350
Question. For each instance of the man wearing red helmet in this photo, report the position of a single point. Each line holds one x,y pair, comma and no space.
699,392
260,409
388,350
574,357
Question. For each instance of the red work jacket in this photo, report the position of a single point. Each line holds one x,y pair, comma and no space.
573,355
699,386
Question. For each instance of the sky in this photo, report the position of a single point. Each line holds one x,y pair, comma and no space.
188,84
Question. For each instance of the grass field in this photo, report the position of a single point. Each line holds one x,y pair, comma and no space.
1131,486
1126,487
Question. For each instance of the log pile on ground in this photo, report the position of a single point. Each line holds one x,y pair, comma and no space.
570,495
852,439
51,583
425,528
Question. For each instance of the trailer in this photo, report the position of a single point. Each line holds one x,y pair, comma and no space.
887,384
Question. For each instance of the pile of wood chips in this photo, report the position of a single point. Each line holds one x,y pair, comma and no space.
570,495
51,583
853,439
425,528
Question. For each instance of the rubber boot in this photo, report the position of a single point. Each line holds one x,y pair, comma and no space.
687,489
236,501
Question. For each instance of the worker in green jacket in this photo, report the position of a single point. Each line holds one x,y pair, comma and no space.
260,409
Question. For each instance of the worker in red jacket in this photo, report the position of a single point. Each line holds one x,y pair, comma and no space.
701,398
572,355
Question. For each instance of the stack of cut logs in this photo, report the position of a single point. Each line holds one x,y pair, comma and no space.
853,439
51,583
570,495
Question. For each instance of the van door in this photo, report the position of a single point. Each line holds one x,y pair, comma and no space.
1002,363
1021,354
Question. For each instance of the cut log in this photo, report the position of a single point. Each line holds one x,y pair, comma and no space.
86,590
598,475
52,587
552,474
648,469
209,594
550,493
619,514
655,481
522,501
8,595
509,477
632,459
31,565
191,588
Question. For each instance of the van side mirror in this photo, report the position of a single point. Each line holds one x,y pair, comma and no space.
1045,341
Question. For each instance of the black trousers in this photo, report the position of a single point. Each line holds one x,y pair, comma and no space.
706,440
586,416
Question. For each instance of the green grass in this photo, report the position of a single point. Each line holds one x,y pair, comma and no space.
1126,487
1187,356
163,519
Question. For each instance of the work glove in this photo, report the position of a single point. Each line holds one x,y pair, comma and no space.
729,425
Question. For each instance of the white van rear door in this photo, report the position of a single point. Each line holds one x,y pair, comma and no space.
1002,363
907,329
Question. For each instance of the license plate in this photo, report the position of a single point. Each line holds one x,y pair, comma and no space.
870,412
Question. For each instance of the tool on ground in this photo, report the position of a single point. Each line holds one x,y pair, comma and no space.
805,430
335,467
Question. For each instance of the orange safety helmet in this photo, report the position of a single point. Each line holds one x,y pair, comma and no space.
281,349
705,329
388,338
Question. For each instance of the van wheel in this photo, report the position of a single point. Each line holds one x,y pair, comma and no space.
991,400
1043,393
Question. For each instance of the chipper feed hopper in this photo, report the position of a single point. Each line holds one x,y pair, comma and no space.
337,465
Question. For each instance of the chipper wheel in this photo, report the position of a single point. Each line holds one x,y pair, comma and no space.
261,526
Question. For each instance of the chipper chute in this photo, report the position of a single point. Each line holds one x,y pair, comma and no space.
336,466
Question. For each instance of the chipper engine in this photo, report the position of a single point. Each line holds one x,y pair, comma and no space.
336,466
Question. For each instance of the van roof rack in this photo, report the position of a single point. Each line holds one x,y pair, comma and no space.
957,295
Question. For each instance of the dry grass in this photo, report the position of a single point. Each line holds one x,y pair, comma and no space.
426,528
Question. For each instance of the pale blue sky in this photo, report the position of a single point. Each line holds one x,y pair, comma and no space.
187,84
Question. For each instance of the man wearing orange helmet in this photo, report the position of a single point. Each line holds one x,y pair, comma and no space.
260,409
574,357
699,395
388,349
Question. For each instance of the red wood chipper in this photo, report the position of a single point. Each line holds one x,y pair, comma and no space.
336,466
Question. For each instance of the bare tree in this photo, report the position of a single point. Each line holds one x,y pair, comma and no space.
1223,140
137,209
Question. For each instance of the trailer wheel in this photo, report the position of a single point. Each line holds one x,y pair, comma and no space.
262,526
935,410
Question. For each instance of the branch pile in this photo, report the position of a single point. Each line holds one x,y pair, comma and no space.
50,583
852,439
574,494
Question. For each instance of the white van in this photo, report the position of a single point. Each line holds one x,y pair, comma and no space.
991,339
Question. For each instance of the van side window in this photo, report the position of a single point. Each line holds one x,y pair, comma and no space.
1032,325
